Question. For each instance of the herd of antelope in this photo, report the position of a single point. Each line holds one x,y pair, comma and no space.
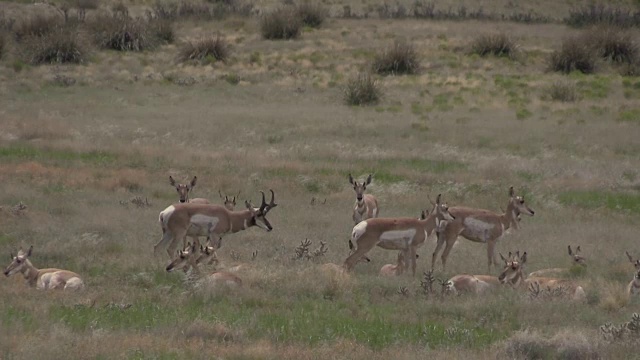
198,217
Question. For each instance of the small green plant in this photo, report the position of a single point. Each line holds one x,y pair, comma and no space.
399,58
232,78
497,45
562,91
281,24
575,55
362,89
208,48
312,14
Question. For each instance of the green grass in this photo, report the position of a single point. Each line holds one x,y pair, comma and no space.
594,199
30,153
631,115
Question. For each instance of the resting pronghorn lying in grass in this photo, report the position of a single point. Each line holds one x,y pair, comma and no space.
513,274
44,279
188,258
212,221
404,234
576,260
479,225
394,269
366,206
466,283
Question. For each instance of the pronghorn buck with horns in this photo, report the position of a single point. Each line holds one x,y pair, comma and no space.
184,190
480,225
366,206
208,220
45,279
404,234
513,274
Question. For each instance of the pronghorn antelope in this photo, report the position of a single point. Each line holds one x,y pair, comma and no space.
479,225
184,190
475,284
576,260
404,234
636,263
187,258
44,279
394,269
208,220
366,206
229,203
513,274
633,288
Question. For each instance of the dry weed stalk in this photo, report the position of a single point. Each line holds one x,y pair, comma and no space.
535,292
628,330
427,282
303,252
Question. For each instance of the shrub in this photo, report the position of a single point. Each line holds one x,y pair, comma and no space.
613,44
497,45
400,58
363,89
600,14
120,32
38,25
575,54
164,10
163,30
312,14
3,44
562,91
211,47
282,23
58,47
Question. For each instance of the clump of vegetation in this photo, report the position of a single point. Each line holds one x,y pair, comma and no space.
61,46
123,33
210,49
282,23
400,58
3,44
363,89
312,14
36,26
614,44
575,55
601,14
562,91
497,45
564,345
163,30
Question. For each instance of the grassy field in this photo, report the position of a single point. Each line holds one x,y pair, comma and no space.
81,144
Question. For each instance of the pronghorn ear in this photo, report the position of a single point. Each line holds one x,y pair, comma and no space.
511,191
510,256
577,249
369,179
350,245
438,199
351,180
523,259
193,181
518,254
629,256
171,181
570,252
247,204
234,200
503,259
30,250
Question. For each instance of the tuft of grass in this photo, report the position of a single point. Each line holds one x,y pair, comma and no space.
312,14
614,44
593,199
501,45
629,115
3,44
36,26
598,14
30,153
281,24
163,30
575,55
400,58
206,48
362,89
62,46
122,33
562,91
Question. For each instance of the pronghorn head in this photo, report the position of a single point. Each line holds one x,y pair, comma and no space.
636,263
518,206
513,265
185,257
352,249
18,262
229,202
359,188
259,215
441,213
207,255
447,287
183,189
577,258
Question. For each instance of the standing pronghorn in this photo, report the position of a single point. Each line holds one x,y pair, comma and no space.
513,274
634,286
480,225
184,190
366,206
404,234
44,279
208,220
576,259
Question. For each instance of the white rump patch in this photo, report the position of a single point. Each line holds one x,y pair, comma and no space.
358,230
165,214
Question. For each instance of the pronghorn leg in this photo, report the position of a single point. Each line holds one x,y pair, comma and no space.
441,238
171,250
410,256
166,239
491,258
447,250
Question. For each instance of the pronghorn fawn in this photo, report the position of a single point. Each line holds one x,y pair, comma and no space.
479,225
576,260
633,289
513,274
45,279
188,258
404,234
212,221
228,202
465,283
184,191
394,269
366,206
